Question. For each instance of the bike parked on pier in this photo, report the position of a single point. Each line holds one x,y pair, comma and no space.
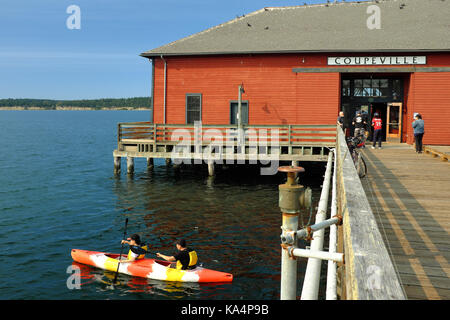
354,144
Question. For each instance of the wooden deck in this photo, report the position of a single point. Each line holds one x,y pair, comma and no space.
409,196
219,142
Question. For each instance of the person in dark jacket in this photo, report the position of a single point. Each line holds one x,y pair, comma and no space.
340,119
359,124
419,130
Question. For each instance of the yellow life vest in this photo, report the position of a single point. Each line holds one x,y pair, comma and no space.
131,254
192,260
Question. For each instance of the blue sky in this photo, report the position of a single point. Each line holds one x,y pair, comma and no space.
41,58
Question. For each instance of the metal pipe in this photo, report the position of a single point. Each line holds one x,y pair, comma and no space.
323,255
310,289
331,293
165,87
239,115
288,202
288,264
305,232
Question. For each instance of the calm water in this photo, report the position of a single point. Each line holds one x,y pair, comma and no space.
58,192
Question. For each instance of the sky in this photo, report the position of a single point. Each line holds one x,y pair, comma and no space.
40,57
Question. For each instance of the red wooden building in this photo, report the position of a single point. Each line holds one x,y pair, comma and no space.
303,64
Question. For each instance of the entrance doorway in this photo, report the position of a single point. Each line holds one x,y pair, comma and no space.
391,116
394,122
381,109
370,93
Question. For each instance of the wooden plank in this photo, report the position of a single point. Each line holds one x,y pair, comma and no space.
417,292
410,195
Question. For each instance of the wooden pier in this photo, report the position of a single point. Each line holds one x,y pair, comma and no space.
221,143
409,196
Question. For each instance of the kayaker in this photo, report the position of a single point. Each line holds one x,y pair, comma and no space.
135,243
186,258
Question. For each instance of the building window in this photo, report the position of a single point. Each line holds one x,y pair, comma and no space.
234,106
396,89
371,88
346,88
193,107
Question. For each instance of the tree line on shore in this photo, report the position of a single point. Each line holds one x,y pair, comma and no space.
125,103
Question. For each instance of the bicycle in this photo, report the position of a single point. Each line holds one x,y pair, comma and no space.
354,144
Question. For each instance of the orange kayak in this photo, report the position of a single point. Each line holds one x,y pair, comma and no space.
148,268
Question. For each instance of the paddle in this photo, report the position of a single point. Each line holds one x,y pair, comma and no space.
121,250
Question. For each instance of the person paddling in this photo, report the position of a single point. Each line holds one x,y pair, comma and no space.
186,258
136,246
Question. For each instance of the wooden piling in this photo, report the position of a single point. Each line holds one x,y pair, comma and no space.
130,165
117,163
211,168
150,164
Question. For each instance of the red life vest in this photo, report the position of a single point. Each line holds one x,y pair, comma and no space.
377,123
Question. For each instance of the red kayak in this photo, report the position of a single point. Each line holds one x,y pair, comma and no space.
148,268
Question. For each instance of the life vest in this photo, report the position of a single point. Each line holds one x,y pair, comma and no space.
192,260
136,256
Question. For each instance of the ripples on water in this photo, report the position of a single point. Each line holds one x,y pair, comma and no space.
58,192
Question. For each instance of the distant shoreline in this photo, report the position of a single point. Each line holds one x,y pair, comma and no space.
136,103
72,109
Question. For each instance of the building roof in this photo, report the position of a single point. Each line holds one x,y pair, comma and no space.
406,25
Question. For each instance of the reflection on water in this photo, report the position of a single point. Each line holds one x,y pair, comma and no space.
103,281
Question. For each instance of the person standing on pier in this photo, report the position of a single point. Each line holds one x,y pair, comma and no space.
419,130
341,121
359,123
377,125
186,258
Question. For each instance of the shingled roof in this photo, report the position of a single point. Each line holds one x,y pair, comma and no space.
406,25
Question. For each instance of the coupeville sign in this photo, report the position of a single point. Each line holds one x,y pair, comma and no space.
376,61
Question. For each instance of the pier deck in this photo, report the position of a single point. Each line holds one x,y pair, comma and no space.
219,143
409,196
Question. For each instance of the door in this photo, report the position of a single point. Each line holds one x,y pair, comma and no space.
394,122
234,112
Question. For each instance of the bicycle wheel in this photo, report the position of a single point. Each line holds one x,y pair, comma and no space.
361,167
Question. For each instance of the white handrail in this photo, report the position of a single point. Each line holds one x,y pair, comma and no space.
331,271
311,281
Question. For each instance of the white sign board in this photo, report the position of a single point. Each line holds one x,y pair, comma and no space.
376,61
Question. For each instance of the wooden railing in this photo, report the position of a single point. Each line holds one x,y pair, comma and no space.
368,273
287,135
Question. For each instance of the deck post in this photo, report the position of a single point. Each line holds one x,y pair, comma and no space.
130,165
117,163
